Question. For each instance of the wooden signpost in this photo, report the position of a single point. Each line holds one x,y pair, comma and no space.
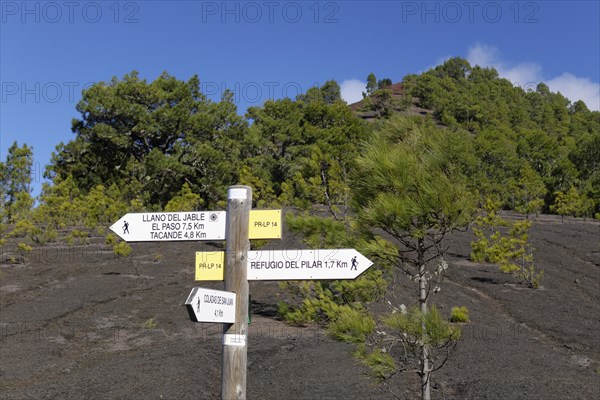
236,266
235,347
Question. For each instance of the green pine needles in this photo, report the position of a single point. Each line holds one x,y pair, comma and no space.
459,314
510,250
393,345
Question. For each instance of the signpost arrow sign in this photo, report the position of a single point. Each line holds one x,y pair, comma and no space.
207,305
330,264
167,226
195,225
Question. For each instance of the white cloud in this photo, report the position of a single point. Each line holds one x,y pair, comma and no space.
483,55
575,88
527,75
351,90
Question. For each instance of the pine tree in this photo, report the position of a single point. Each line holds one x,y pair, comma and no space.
15,176
406,185
371,84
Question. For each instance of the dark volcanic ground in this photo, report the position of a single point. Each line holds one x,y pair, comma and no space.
81,323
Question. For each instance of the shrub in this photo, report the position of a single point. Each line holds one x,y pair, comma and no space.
110,239
122,249
379,362
572,204
185,200
512,252
322,301
150,324
401,336
78,237
409,325
24,248
459,314
530,276
351,326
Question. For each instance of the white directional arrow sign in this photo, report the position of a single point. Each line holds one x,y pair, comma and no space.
330,264
167,226
196,225
207,305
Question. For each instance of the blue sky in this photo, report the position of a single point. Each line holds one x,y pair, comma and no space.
50,50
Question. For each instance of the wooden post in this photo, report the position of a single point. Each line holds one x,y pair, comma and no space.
235,350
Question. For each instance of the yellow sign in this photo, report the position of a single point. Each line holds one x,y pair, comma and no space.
265,224
210,265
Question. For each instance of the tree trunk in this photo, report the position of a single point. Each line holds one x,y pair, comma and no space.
425,388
